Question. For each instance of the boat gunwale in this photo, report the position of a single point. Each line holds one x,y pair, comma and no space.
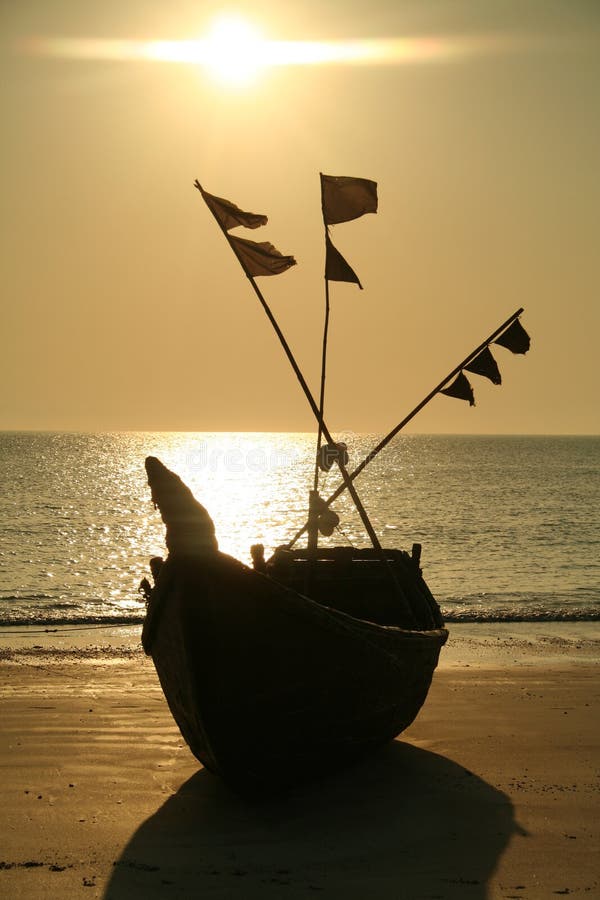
328,615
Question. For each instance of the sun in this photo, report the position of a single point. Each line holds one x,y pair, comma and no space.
233,51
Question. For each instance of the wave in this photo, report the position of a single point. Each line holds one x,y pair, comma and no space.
582,615
482,617
61,621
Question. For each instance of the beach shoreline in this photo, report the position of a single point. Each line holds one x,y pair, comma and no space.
491,793
474,643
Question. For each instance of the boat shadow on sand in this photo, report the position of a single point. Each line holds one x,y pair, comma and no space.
405,823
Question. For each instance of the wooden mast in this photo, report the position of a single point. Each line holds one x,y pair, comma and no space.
312,523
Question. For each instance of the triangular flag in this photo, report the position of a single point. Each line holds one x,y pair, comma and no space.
515,338
260,258
485,364
344,199
336,267
228,214
461,389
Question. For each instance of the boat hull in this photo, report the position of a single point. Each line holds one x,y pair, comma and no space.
268,687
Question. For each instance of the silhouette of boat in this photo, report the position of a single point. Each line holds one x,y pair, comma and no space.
278,675
313,657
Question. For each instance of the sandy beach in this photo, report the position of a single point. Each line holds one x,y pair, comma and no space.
492,793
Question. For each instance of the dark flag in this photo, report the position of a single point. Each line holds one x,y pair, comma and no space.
461,389
344,199
336,267
485,364
260,258
515,338
228,214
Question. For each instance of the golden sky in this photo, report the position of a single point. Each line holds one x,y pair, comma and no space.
124,308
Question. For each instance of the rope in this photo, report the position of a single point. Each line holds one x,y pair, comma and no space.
345,536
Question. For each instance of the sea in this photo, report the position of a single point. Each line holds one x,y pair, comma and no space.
509,525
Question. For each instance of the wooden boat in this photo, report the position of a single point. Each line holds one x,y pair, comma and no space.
270,686
313,657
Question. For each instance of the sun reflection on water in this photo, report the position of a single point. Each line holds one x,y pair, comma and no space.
255,487
502,520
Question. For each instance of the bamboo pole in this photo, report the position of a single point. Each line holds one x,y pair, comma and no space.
392,434
324,351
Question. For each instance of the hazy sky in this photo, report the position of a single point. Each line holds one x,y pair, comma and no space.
123,307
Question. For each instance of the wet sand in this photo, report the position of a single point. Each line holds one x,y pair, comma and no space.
492,792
